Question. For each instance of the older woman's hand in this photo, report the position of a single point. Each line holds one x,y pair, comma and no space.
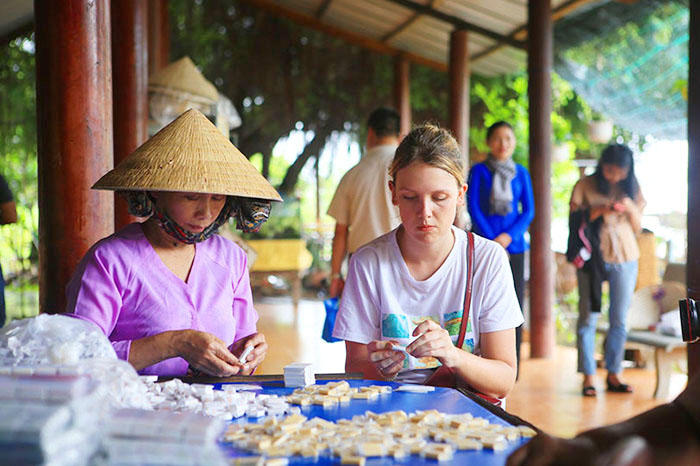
387,361
434,341
206,353
257,354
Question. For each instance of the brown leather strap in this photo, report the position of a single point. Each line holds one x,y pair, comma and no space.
468,292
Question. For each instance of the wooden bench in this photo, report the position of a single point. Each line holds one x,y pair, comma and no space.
667,351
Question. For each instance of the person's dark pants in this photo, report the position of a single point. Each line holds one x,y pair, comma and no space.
517,266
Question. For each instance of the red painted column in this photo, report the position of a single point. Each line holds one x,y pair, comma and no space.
158,35
539,64
693,266
74,127
459,90
402,92
130,87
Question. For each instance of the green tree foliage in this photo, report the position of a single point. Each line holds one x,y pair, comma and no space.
18,163
630,62
279,73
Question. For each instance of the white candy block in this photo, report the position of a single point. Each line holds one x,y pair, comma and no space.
237,410
248,387
246,353
415,388
255,412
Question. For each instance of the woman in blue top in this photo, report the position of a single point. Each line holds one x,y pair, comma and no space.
501,204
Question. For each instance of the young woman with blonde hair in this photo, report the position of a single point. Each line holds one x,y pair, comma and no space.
409,286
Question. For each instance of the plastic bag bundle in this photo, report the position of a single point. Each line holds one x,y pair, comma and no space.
52,340
61,345
52,420
65,398
163,437
120,381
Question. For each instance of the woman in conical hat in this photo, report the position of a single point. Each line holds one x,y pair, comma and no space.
168,293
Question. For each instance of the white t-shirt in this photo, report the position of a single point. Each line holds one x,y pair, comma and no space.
362,200
382,301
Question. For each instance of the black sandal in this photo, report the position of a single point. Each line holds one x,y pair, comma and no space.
589,390
619,388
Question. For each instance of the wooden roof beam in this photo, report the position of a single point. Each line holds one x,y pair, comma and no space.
409,22
323,8
350,37
459,23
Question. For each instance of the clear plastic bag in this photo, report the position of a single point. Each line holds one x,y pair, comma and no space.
52,340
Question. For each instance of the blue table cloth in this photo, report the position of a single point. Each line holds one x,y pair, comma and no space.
445,400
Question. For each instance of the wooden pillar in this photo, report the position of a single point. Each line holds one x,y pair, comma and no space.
74,128
693,263
158,35
130,87
539,65
402,92
459,90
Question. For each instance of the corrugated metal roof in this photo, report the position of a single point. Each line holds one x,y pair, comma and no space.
400,25
397,25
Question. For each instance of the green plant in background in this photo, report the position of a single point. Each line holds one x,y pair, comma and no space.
629,63
681,86
18,160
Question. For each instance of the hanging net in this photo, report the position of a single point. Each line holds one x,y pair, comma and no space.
629,61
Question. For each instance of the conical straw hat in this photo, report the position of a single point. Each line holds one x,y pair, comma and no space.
184,77
189,155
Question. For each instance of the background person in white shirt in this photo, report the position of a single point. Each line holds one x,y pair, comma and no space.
361,205
407,287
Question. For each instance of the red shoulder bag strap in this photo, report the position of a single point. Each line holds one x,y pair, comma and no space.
465,317
468,292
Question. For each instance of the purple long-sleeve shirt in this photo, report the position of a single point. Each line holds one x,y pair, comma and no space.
123,287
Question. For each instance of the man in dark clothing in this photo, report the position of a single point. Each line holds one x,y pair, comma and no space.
8,214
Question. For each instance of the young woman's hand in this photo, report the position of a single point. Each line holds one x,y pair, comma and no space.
257,354
336,288
433,341
618,207
387,361
205,353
